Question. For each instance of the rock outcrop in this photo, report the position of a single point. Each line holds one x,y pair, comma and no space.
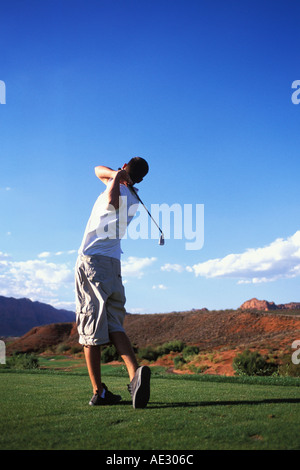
264,305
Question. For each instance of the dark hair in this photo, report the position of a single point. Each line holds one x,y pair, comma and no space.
137,168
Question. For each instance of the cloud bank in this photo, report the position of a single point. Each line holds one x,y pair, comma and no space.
35,279
134,267
50,281
278,260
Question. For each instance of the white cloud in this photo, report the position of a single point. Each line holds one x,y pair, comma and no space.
280,259
4,260
44,254
134,267
47,254
160,286
35,279
47,281
173,267
138,310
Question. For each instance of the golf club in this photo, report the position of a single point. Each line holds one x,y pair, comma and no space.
162,237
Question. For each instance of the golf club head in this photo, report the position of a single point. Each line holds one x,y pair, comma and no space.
161,240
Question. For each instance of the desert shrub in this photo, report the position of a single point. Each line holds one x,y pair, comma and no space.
23,361
75,349
109,354
197,369
190,351
179,361
149,353
171,346
185,357
288,369
253,363
61,348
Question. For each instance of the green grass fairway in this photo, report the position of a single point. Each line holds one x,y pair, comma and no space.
49,410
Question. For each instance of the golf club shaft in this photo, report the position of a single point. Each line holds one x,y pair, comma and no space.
146,209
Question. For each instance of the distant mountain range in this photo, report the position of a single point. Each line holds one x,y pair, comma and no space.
18,316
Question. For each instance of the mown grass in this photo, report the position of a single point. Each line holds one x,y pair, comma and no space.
47,409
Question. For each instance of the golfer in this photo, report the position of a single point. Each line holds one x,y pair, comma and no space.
100,297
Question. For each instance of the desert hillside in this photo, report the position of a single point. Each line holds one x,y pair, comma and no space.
209,330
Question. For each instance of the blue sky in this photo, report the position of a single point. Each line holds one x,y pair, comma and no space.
202,90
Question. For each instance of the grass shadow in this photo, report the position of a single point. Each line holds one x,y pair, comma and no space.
222,403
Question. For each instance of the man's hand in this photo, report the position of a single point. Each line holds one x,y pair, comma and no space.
105,174
124,177
120,177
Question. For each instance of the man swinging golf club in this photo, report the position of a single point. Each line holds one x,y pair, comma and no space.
100,296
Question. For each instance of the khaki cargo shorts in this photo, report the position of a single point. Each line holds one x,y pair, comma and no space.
100,299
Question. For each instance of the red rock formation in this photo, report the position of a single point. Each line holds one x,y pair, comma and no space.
255,304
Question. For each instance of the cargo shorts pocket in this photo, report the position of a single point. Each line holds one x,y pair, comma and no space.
86,323
96,271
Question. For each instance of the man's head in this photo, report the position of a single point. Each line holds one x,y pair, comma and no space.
137,168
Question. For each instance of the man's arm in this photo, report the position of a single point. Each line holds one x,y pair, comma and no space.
118,177
104,173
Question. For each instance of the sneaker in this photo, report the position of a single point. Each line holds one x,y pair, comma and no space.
109,398
139,387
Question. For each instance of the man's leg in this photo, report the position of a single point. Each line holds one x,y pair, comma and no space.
123,346
139,386
93,362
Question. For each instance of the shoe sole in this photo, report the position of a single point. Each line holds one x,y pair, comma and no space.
142,393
